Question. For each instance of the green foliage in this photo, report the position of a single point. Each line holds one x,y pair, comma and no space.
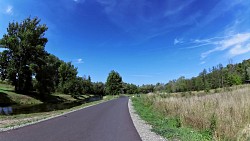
129,88
234,79
99,88
114,83
74,87
25,42
146,89
47,75
4,61
25,63
217,77
67,75
87,86
159,87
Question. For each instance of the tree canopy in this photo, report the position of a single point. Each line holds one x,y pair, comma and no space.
114,83
25,44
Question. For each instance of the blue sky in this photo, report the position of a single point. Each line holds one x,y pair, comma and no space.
145,41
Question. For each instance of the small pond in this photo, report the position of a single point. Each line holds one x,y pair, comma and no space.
45,107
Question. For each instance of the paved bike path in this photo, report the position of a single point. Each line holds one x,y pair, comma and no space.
108,121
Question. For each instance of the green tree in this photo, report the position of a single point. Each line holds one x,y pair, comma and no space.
4,61
247,73
67,76
130,88
159,87
87,86
47,75
25,42
98,88
146,89
181,85
114,83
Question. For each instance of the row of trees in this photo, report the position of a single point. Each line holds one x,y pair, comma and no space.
213,78
30,68
216,77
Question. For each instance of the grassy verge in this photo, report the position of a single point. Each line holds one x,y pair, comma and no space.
224,114
168,127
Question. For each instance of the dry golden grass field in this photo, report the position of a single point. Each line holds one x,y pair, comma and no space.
226,114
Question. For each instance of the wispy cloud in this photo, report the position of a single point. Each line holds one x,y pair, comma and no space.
178,9
9,10
239,49
203,62
79,61
178,41
238,44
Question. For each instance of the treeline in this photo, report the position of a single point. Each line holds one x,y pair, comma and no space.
30,68
213,78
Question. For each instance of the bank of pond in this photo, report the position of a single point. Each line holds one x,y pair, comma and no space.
8,109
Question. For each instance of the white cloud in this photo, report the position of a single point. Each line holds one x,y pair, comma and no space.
238,50
79,61
9,10
238,39
203,62
238,44
178,41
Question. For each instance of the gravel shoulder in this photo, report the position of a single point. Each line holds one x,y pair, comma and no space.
142,127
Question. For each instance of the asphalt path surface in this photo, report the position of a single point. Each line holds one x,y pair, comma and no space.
108,121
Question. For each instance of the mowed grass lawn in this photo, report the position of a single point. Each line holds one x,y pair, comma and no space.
8,96
223,115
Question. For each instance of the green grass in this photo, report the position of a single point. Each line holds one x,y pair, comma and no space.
167,127
8,96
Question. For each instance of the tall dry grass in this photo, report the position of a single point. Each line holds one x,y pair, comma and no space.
226,115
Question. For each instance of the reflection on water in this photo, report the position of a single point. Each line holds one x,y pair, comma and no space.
45,107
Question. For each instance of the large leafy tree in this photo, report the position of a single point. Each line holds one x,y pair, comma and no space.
114,83
25,43
67,77
98,88
47,75
87,85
